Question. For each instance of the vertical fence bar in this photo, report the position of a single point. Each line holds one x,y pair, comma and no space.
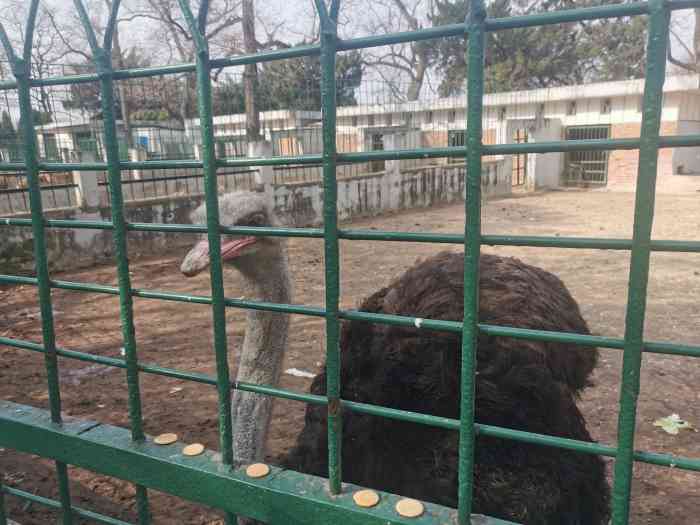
475,25
206,120
3,514
103,63
639,263
330,237
21,68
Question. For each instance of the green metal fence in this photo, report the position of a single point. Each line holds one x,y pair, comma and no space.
289,496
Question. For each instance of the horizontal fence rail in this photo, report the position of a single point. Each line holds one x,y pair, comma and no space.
130,455
561,146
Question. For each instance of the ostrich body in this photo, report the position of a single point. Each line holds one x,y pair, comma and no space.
520,384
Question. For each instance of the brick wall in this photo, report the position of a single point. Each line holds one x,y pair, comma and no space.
623,164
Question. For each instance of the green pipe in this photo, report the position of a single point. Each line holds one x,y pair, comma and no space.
476,32
271,161
204,107
353,315
374,410
267,56
102,58
560,146
329,39
568,15
427,33
21,68
658,32
3,513
51,503
586,243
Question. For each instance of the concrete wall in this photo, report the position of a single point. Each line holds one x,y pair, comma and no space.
69,248
686,161
301,204
298,204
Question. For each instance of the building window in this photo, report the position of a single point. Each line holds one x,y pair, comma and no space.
502,114
408,119
452,116
370,120
456,139
571,108
354,122
389,119
605,106
429,117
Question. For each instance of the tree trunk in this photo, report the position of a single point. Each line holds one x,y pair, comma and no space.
422,63
696,40
118,59
250,73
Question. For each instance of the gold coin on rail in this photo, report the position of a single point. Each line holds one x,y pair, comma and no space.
165,439
409,508
195,449
366,498
257,470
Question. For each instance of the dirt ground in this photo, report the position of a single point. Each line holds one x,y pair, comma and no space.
178,335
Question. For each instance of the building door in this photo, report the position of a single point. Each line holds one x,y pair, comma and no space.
520,161
377,145
586,167
51,148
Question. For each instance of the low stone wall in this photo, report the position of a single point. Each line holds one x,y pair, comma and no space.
298,204
301,204
79,248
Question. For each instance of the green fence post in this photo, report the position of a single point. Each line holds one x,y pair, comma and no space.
102,59
21,68
3,514
204,106
329,38
639,263
475,26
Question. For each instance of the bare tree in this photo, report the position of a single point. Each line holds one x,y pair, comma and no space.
47,49
69,33
692,61
219,23
404,67
250,75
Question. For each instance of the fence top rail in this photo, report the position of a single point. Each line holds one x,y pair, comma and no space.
492,24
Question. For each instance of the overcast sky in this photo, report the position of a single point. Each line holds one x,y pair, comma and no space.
296,19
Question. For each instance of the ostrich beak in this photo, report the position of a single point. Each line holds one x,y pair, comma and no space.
197,260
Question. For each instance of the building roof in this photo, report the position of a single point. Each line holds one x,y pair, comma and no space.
679,83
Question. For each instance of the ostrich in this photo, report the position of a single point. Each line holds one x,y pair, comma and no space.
520,384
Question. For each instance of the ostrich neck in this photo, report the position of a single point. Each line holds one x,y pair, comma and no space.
260,361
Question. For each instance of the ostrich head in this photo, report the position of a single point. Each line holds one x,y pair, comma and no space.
244,252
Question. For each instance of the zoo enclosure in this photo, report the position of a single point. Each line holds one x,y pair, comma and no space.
289,496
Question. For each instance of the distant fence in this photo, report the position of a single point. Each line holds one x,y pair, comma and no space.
170,196
58,190
65,190
154,184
